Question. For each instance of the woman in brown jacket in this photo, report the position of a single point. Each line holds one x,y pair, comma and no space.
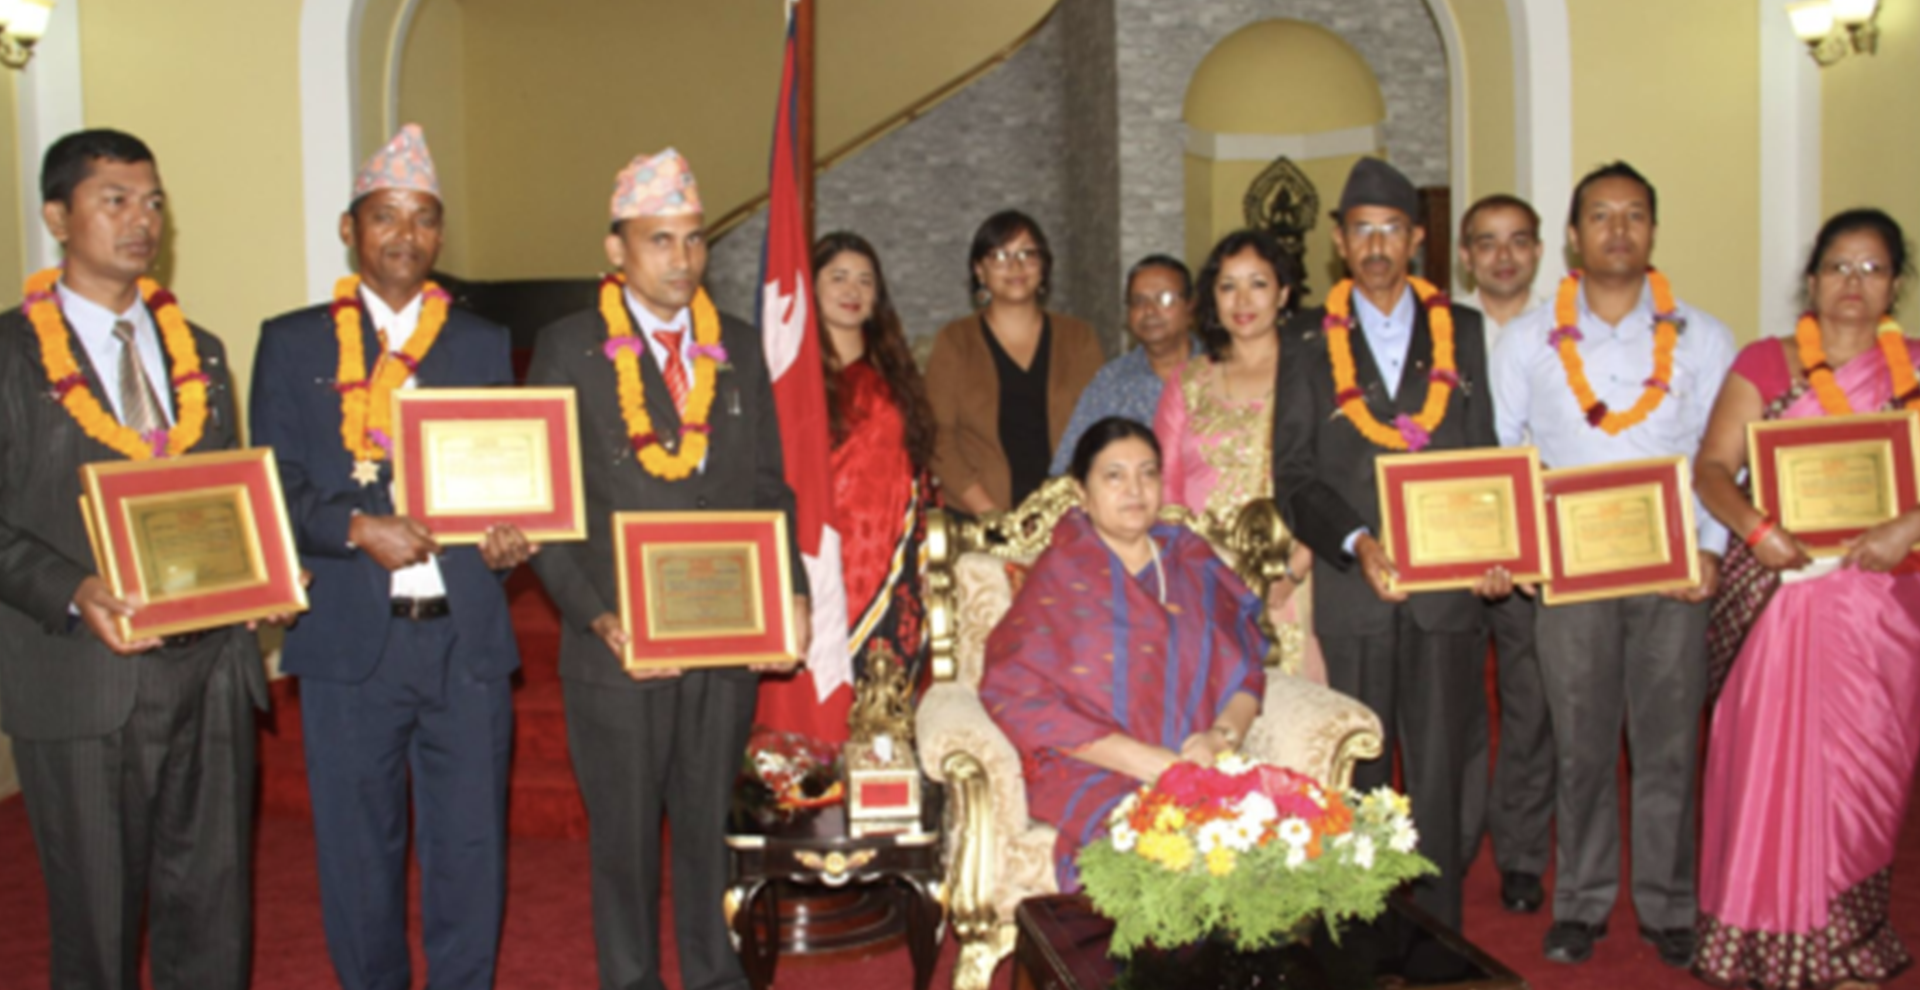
1003,382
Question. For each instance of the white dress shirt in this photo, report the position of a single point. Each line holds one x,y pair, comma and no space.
1389,335
645,325
1530,390
93,324
421,580
1496,329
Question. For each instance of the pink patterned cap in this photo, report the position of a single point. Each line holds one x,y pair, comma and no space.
404,163
655,186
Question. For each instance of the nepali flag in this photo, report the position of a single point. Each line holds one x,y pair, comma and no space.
815,701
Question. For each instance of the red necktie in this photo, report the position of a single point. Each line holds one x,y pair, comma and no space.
675,371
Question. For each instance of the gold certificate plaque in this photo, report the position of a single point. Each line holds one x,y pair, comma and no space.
1836,486
1612,530
487,468
1460,520
194,544
702,590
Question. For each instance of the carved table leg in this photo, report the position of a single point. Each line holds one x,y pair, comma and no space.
924,920
756,927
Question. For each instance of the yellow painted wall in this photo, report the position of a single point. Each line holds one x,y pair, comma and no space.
1486,49
1673,88
1871,133
1282,77
212,86
434,70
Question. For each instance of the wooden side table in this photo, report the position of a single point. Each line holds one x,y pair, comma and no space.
818,850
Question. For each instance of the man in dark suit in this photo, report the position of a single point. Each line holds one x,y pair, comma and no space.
1416,660
405,658
651,741
136,758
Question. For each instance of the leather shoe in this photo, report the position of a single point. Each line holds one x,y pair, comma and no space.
1572,941
1675,945
1520,892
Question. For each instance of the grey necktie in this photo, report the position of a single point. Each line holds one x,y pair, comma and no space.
139,408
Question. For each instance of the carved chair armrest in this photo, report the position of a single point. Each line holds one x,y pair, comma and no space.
1314,730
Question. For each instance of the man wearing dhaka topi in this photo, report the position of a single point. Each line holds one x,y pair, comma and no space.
676,414
136,758
405,658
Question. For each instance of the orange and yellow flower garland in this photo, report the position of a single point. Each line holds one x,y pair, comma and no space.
1893,345
70,384
1407,432
366,400
623,348
1566,338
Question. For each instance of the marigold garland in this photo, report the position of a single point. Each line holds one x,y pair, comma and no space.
1407,432
1566,338
623,348
70,383
1893,345
366,400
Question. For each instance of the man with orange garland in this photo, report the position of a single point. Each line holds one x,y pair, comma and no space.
1584,378
405,658
1362,377
136,758
700,435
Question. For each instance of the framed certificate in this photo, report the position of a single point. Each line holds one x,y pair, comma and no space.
1620,529
1448,516
704,589
202,540
465,459
1832,478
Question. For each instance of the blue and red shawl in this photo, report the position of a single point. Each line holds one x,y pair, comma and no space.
1088,650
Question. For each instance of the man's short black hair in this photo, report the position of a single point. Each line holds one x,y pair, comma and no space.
1613,170
1170,263
1498,201
70,161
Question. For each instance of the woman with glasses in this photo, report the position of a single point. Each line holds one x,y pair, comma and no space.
1813,747
1215,421
882,435
1003,381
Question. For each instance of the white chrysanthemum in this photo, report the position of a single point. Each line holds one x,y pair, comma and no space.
1257,810
1124,837
1296,857
1233,764
1213,835
1404,837
1124,810
1296,833
1363,853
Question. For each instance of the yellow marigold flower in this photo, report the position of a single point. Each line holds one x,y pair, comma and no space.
1174,852
1169,819
1220,861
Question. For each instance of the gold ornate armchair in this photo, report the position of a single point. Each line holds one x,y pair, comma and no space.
996,855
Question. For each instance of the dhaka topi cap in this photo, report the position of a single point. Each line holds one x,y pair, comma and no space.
1373,182
655,186
404,163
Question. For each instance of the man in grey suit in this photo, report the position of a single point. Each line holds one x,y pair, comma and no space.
659,741
136,758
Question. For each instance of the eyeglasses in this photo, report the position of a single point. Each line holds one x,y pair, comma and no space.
1003,258
1163,299
1367,231
1867,268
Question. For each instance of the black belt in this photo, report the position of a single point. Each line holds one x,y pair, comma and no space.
184,640
418,609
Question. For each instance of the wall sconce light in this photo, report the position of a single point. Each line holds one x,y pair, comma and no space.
22,22
1834,29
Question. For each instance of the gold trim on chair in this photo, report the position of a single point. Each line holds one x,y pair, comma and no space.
969,874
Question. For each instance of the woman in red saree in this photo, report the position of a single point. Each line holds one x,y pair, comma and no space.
882,446
1816,731
1129,647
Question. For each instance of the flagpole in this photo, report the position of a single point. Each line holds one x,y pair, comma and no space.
803,122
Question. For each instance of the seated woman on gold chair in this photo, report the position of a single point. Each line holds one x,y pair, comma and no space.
1129,647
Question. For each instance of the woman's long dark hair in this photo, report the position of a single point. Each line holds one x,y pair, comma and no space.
887,350
1287,271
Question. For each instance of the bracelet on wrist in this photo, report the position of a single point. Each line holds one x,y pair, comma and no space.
1760,532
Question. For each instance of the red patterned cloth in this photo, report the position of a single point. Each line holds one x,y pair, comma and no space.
880,512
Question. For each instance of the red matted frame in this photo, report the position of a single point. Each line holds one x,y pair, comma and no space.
1627,479
763,533
114,488
1518,467
561,518
1770,440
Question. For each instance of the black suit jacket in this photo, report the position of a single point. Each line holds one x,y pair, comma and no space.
744,470
1323,467
57,681
296,411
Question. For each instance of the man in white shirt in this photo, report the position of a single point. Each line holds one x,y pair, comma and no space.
1500,254
1637,663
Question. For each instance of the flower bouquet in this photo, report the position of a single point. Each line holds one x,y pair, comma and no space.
1253,852
787,774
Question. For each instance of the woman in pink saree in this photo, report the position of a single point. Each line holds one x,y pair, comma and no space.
1817,728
